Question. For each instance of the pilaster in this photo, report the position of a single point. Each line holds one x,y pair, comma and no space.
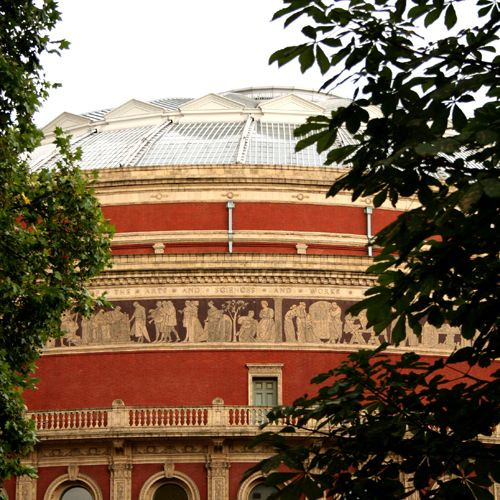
218,472
121,472
25,488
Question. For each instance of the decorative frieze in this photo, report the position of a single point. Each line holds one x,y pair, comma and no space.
243,320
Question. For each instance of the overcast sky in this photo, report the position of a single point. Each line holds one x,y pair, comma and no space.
124,49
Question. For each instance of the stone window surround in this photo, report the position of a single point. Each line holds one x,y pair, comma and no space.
57,487
265,370
159,479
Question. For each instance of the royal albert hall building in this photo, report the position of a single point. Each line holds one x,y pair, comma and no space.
231,276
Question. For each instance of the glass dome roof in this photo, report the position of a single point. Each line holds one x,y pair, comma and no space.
247,126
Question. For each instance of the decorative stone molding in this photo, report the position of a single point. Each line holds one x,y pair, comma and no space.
301,248
121,481
248,484
218,478
57,487
168,469
240,320
154,482
217,419
274,370
73,471
26,488
119,415
159,248
244,236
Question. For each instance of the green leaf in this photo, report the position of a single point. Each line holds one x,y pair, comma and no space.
339,154
458,118
332,42
491,187
471,196
306,58
450,17
432,16
286,55
426,149
398,333
309,31
379,198
322,60
487,136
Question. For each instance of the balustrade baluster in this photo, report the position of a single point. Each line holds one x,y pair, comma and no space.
235,416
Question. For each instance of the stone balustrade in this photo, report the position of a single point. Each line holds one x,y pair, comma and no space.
121,418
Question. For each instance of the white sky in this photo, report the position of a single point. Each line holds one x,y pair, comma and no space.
124,49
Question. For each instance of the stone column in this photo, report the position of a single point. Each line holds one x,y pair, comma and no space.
25,488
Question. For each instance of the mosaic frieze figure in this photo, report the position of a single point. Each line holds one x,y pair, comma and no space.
334,322
218,326
248,328
164,318
266,331
194,331
243,321
106,327
289,324
445,336
139,331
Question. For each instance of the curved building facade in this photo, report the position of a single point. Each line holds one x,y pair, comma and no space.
231,276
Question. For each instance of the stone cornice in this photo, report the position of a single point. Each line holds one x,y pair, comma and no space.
169,237
241,262
211,183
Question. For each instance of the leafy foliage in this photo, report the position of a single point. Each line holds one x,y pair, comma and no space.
443,255
53,235
437,262
379,416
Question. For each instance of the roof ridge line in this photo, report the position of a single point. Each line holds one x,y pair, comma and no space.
243,145
145,141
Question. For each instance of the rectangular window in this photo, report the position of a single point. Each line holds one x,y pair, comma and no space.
265,384
265,391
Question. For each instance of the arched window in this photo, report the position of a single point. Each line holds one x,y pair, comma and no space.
77,493
262,492
175,486
255,488
170,491
75,487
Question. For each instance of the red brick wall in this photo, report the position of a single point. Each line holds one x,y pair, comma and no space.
168,378
246,216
